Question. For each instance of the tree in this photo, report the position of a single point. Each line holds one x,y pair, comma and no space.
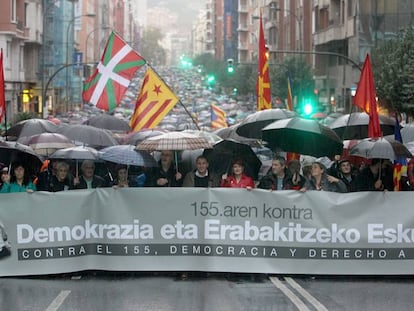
150,47
301,78
393,67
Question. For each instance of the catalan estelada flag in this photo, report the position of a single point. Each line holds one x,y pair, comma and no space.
289,95
400,165
263,82
153,103
118,64
218,117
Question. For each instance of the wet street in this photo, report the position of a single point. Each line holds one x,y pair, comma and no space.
201,291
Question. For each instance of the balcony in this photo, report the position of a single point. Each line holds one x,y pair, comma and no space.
242,27
329,34
244,46
243,8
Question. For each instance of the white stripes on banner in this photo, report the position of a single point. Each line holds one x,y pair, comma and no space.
296,300
58,300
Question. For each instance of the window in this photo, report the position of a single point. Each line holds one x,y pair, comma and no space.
13,11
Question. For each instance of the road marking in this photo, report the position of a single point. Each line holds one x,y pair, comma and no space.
306,295
295,299
58,300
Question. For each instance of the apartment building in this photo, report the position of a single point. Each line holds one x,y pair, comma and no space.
20,40
351,28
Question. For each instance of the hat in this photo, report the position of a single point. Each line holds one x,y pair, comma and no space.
307,160
5,170
344,160
324,161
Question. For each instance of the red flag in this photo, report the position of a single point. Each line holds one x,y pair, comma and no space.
365,98
154,101
2,88
107,85
263,81
218,117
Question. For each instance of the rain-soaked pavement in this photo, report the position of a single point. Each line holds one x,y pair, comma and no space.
202,291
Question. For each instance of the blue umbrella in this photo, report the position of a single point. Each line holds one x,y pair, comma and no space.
128,155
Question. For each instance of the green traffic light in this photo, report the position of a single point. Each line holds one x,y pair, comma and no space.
211,79
230,69
307,109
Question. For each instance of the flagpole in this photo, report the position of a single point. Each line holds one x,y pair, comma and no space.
5,121
185,108
3,99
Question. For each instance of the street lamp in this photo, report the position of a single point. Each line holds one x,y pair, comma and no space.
67,53
87,44
87,40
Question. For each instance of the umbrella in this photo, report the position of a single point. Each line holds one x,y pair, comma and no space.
128,155
355,125
108,122
76,153
174,141
410,146
407,133
252,125
319,115
46,143
230,133
134,138
211,137
380,148
89,135
15,152
224,152
303,136
330,118
32,127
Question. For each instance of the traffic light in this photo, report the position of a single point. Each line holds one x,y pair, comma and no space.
308,106
211,79
230,65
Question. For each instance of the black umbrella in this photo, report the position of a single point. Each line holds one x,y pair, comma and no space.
89,135
230,133
253,124
32,127
108,122
303,136
225,151
355,125
11,151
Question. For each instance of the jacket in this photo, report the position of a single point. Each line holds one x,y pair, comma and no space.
231,182
213,179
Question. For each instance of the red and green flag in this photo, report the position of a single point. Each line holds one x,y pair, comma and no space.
107,85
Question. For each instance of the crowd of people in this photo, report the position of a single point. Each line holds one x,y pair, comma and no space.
340,177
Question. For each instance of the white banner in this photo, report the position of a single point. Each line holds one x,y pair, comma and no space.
233,230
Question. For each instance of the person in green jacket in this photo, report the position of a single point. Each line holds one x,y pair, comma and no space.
19,181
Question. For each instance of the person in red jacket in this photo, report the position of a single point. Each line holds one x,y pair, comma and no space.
238,179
